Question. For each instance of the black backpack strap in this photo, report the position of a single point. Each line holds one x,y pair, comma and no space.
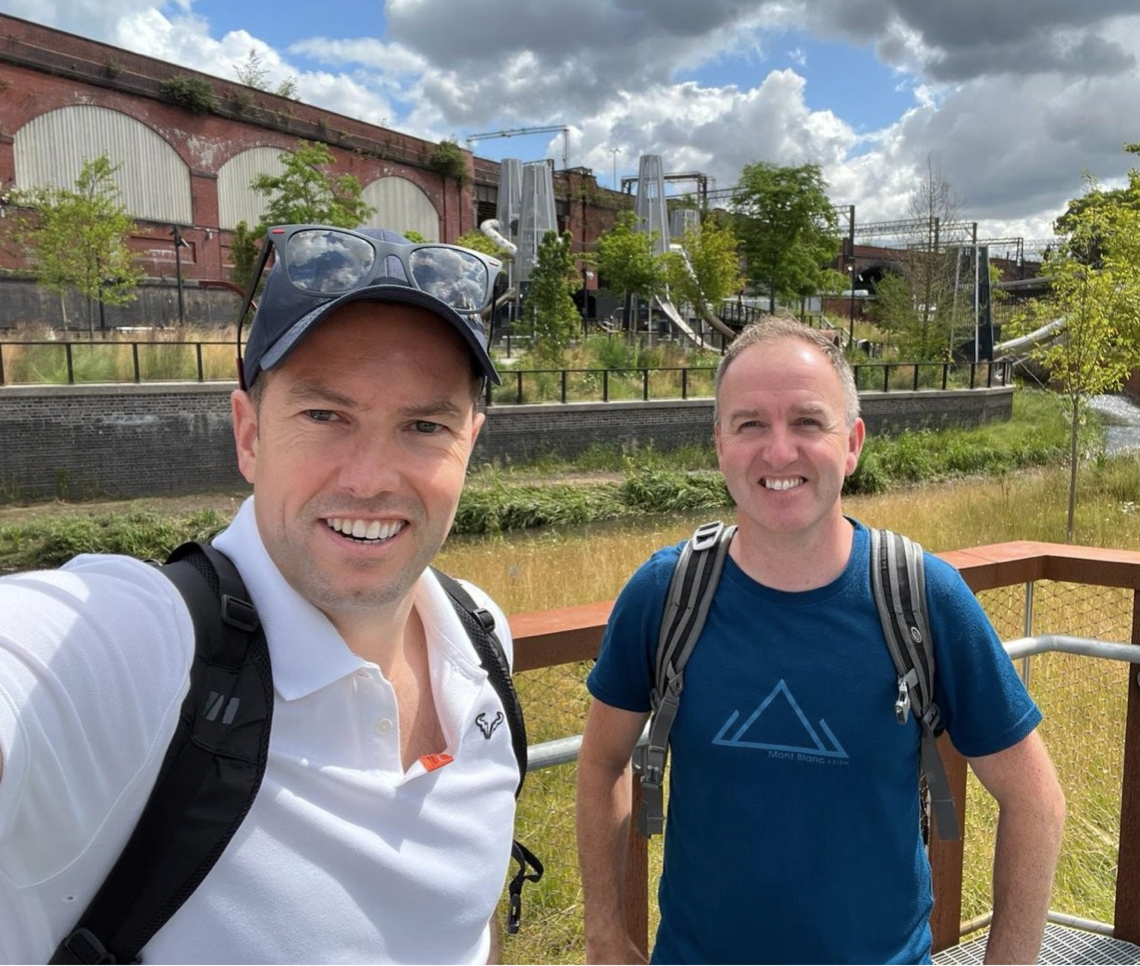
691,590
898,583
479,623
209,777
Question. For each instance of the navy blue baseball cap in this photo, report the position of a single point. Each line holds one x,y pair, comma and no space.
319,268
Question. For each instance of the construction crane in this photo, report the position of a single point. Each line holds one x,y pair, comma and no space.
488,135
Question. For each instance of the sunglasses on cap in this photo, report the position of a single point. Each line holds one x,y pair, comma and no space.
329,262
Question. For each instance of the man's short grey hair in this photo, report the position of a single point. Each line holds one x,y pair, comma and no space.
774,329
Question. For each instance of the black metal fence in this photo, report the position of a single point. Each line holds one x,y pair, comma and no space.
83,363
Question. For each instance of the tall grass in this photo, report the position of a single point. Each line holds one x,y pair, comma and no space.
624,381
163,355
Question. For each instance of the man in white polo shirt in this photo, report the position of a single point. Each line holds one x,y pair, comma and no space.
382,829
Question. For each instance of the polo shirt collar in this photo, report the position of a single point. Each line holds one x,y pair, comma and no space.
305,648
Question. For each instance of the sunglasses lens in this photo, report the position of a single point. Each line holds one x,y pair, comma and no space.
454,277
328,262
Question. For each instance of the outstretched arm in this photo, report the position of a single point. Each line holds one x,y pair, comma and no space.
603,829
1031,809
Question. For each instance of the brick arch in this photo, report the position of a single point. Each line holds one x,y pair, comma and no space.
402,205
153,179
236,200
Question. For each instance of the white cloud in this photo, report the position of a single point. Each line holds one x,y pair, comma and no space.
1014,107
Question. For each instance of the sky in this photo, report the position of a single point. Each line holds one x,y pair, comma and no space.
1011,104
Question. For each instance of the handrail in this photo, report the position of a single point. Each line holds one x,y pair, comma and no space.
563,751
981,374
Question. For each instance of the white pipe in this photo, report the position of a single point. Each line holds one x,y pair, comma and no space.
491,228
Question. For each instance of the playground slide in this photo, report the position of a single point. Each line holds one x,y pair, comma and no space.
1047,333
708,316
493,230
681,325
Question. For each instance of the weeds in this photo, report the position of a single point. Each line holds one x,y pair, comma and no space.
49,542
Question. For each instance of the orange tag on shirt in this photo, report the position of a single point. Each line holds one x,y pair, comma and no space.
432,762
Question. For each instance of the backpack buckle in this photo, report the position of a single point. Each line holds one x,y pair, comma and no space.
84,946
239,613
706,535
902,702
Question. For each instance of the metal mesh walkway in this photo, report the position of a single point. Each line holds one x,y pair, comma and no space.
1062,944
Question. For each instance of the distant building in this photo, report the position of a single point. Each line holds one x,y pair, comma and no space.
64,99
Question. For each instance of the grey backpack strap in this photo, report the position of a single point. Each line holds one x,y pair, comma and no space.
687,603
898,582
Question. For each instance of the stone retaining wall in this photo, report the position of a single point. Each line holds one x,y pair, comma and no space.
162,438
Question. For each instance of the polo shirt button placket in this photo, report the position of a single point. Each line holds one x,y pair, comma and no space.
382,726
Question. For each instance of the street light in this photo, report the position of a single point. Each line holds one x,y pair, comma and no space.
615,152
851,312
179,244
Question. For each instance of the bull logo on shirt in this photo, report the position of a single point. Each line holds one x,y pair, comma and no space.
488,727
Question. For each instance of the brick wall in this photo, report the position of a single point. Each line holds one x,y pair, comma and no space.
175,438
42,69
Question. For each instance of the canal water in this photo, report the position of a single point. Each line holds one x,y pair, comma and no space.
1121,417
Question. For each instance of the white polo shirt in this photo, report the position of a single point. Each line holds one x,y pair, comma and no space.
344,856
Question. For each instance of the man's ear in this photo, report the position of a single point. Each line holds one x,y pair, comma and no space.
243,411
855,440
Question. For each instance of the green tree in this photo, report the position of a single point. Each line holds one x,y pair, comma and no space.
712,272
931,268
449,161
895,314
787,227
306,193
77,237
548,301
481,243
1095,288
243,254
1097,197
625,258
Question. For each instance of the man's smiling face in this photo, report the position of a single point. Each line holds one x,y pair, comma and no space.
782,436
357,451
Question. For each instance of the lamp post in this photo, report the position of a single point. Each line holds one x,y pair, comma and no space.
851,311
615,152
179,241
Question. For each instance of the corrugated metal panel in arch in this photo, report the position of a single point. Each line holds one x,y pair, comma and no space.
154,181
236,200
402,205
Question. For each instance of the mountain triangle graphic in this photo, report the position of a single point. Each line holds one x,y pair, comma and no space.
781,721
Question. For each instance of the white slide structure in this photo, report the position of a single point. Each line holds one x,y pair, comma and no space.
681,325
493,230
1047,333
707,315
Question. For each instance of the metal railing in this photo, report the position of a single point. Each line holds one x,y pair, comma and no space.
81,362
68,362
916,376
1075,590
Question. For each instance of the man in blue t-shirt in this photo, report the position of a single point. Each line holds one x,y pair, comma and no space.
793,825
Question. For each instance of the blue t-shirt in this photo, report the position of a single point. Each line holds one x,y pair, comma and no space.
793,828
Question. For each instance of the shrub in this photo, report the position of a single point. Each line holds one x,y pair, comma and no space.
193,93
